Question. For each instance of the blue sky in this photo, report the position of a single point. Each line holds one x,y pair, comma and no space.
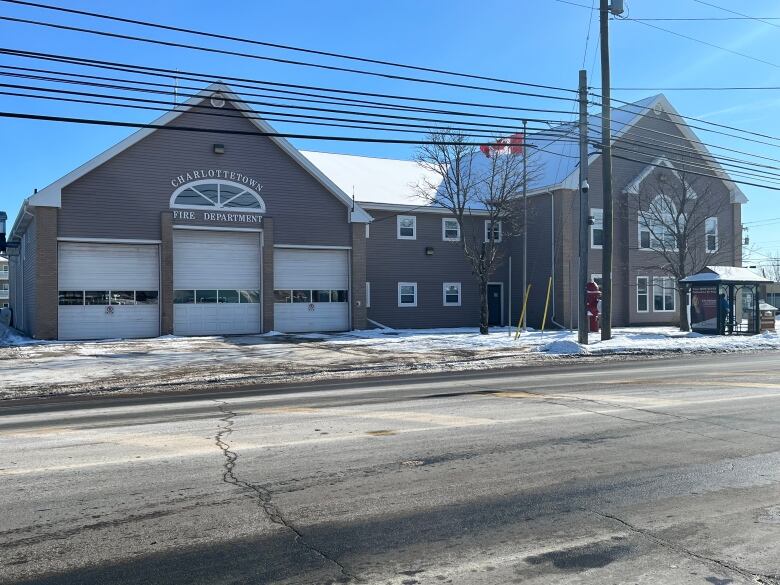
543,41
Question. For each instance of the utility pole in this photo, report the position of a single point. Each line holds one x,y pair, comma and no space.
582,280
525,219
606,165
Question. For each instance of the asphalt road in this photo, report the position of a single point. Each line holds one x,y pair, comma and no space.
664,471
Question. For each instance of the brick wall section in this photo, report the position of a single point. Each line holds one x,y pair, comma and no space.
268,274
166,273
46,299
358,272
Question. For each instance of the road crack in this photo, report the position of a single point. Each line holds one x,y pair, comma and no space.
756,577
264,496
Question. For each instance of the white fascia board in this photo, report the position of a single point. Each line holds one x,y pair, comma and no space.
21,222
51,196
737,196
417,208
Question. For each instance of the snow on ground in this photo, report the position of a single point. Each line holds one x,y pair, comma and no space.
625,340
34,368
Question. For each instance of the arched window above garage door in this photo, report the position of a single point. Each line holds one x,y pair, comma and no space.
223,195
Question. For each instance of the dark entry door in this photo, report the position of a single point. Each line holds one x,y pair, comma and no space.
494,304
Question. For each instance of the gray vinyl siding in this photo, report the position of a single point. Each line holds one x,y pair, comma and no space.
123,198
540,246
390,261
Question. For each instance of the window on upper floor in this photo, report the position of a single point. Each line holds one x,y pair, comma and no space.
450,230
597,229
407,227
711,234
493,231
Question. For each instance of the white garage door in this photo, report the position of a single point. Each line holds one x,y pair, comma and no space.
311,290
108,291
216,281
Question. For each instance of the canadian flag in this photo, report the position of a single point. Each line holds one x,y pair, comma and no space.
512,144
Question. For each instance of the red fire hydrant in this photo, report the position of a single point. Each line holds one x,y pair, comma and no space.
592,304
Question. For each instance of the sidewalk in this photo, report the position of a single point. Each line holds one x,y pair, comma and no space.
30,369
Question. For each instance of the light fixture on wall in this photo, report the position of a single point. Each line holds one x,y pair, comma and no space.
429,250
219,149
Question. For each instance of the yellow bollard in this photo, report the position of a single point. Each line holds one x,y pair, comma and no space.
546,303
522,313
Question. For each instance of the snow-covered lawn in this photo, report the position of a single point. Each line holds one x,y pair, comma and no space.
32,368
625,340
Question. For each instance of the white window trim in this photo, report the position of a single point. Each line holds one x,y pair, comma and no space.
662,289
444,237
400,284
368,295
647,294
444,294
643,228
219,206
500,231
706,236
398,227
593,211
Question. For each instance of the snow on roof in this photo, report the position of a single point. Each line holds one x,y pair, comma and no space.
375,180
725,274
383,180
559,158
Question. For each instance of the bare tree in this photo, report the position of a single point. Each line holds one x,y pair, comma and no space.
477,184
675,212
771,267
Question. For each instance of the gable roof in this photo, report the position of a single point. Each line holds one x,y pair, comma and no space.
623,119
51,195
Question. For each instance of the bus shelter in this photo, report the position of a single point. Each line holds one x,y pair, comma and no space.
724,300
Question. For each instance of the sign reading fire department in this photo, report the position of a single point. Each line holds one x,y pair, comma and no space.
217,216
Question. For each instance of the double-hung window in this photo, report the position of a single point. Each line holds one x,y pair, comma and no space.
492,231
450,230
597,229
451,294
642,292
711,234
407,227
407,294
664,293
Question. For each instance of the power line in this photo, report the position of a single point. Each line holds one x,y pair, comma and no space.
740,14
737,181
269,116
285,47
484,126
242,81
328,99
702,88
140,69
278,59
706,43
666,146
